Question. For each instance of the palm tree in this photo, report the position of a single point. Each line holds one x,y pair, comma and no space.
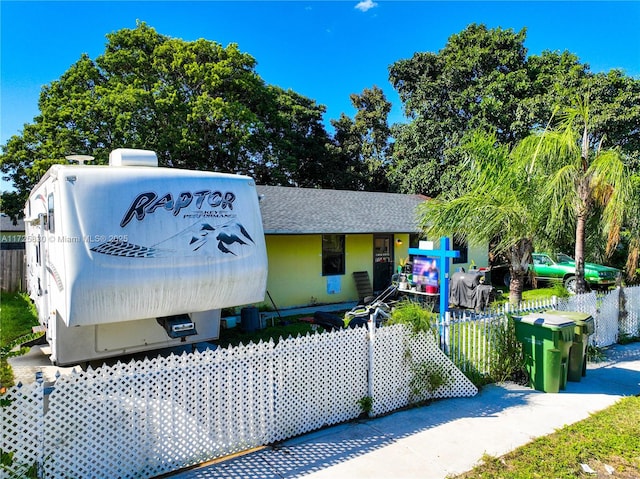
633,229
498,202
580,174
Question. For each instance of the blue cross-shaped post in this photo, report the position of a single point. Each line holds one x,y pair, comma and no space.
442,254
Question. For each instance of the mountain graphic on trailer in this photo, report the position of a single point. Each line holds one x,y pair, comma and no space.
229,237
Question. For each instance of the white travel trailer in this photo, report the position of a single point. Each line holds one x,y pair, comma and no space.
132,257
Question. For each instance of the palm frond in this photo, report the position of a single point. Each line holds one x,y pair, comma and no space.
612,188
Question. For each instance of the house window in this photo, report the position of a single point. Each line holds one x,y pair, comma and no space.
463,247
332,255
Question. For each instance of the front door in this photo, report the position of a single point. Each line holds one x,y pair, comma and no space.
382,261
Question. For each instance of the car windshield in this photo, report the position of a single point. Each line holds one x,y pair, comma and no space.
563,258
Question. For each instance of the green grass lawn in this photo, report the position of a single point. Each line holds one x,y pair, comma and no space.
17,317
610,437
534,294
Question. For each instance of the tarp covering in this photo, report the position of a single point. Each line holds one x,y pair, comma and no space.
467,290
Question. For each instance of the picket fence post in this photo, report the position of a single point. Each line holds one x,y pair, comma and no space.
371,324
40,426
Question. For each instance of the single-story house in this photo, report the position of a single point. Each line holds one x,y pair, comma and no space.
11,235
317,238
12,244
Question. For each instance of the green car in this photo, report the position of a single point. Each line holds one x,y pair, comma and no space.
547,267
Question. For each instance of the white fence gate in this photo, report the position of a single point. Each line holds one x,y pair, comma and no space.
151,417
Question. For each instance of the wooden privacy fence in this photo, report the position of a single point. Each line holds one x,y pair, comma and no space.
13,270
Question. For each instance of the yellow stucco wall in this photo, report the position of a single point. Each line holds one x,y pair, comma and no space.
295,268
400,250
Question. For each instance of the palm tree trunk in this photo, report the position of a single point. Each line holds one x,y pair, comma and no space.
516,286
581,284
519,258
582,213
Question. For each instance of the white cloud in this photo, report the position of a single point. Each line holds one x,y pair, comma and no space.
365,5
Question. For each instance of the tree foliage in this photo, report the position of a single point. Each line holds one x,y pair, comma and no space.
633,231
198,104
579,175
615,113
363,143
483,79
478,80
201,105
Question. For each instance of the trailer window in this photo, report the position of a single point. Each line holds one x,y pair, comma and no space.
332,255
50,219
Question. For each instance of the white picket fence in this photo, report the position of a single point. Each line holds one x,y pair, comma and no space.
611,322
151,417
468,337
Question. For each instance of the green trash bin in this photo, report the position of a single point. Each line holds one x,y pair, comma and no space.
585,327
546,341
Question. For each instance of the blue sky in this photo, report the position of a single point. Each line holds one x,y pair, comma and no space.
324,50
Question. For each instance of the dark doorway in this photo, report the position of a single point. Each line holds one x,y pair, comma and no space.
382,261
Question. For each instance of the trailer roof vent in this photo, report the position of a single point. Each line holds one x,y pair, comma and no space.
131,157
80,159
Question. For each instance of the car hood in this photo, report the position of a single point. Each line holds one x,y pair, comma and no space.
591,267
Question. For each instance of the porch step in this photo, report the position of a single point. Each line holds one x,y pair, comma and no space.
363,284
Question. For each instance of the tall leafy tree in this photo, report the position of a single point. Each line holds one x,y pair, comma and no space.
633,231
346,147
372,126
294,149
198,104
478,80
483,78
615,113
554,77
579,174
364,142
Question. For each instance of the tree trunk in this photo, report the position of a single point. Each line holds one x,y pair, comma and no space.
582,213
581,284
519,258
516,286
584,193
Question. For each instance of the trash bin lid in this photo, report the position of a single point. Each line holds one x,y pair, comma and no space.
546,320
584,321
576,316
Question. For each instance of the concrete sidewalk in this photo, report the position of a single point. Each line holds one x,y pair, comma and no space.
446,437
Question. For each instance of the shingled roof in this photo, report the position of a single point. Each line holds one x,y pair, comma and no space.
287,210
6,223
